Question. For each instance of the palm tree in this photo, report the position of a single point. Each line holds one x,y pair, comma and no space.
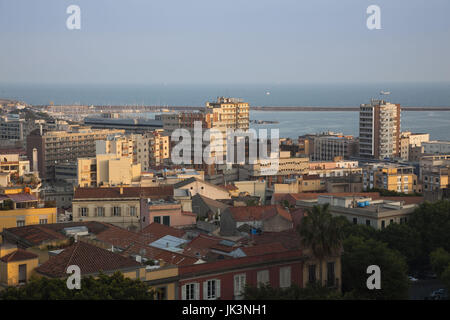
321,232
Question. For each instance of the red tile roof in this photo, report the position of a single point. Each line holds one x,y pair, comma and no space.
290,239
18,255
34,234
91,260
156,231
258,213
127,192
22,197
169,257
263,249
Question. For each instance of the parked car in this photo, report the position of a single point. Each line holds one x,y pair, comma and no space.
440,294
412,279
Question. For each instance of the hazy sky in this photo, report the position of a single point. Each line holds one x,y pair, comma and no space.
224,41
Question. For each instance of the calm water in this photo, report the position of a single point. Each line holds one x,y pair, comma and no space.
417,94
291,124
295,123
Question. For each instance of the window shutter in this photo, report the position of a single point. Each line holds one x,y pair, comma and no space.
217,288
112,211
197,291
205,290
183,292
96,211
79,211
128,211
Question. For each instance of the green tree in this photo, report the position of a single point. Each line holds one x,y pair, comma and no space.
322,233
359,253
406,240
310,292
440,260
432,222
104,287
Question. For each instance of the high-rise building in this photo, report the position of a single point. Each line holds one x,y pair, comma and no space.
379,130
150,149
56,147
225,113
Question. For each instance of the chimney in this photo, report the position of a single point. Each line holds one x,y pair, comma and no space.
40,129
121,190
35,160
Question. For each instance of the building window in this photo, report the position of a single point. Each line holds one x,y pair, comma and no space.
211,289
190,292
368,223
157,219
285,277
239,285
355,220
43,221
133,211
84,212
312,273
100,212
166,220
330,274
262,277
21,223
383,224
116,211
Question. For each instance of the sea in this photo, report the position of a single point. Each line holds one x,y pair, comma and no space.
290,123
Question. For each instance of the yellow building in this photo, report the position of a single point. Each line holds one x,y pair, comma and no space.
392,177
107,170
163,280
18,208
16,265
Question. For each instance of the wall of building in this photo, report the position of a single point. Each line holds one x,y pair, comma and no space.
9,218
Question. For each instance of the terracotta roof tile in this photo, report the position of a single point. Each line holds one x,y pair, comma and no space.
18,255
91,259
156,231
264,249
258,213
127,192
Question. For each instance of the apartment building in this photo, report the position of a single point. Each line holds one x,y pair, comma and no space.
119,145
436,147
364,209
410,145
19,207
14,164
151,149
336,168
224,114
379,130
231,113
13,128
392,177
125,207
329,145
435,176
107,170
55,147
274,170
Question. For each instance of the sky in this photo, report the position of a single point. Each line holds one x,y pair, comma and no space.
224,41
